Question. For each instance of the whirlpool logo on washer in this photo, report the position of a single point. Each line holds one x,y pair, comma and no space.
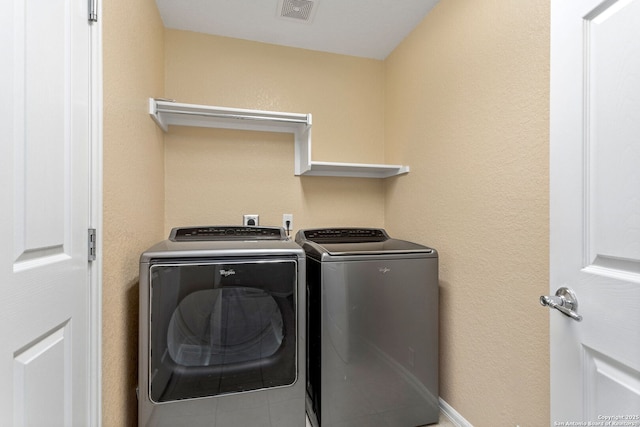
227,273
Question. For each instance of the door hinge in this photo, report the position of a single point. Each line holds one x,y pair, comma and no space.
93,10
91,241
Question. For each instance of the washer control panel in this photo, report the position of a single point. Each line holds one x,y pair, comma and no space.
191,234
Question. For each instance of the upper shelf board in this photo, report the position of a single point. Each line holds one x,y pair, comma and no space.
166,113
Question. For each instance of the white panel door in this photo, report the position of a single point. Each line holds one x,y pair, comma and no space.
45,194
595,210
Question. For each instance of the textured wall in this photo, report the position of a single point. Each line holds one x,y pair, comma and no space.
463,101
133,189
467,109
215,176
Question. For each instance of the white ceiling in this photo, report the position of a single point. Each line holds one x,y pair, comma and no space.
365,28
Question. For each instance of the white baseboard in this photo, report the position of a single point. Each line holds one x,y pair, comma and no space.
453,415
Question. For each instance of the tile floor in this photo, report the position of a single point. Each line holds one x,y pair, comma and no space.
444,422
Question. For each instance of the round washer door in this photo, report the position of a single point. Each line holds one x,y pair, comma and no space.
221,327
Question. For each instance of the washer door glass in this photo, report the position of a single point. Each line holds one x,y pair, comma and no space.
225,325
220,328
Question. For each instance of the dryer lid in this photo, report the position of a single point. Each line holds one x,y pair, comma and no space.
389,246
356,242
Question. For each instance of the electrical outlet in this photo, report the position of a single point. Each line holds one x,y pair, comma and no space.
251,220
287,222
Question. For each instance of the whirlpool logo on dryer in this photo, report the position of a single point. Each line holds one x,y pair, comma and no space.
227,273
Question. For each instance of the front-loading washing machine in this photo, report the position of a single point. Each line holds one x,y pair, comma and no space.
221,340
372,329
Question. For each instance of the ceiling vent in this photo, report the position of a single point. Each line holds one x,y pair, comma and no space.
297,10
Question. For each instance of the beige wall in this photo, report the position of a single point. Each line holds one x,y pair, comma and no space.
215,176
133,189
467,108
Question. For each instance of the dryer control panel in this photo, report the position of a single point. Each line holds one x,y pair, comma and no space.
346,235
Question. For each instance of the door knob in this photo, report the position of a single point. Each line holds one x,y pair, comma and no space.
564,301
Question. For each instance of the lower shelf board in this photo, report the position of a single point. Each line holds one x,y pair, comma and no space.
354,170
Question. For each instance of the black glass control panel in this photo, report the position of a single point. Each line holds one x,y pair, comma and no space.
192,234
346,235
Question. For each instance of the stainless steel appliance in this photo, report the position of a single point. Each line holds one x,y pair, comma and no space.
372,329
222,329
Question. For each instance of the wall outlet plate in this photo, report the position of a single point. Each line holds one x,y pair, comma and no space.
251,219
289,218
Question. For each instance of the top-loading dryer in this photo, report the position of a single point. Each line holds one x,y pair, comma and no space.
222,329
372,329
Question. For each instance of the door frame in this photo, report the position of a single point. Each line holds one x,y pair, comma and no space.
95,221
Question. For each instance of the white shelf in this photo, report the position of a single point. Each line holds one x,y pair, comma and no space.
355,170
167,113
